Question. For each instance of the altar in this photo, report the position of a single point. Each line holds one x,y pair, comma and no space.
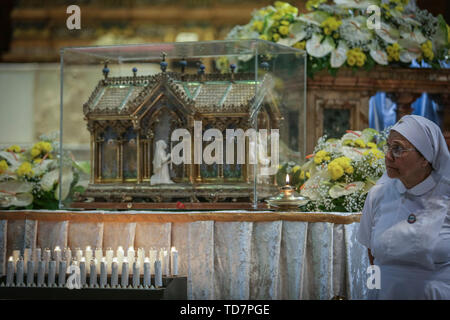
242,255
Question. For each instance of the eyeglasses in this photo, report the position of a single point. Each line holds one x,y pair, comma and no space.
397,151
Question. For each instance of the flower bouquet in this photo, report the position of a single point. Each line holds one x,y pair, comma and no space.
353,33
340,172
29,178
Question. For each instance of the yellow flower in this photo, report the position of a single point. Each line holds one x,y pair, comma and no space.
321,156
14,148
25,170
308,175
351,61
393,52
360,143
258,25
302,175
371,145
300,45
3,166
330,24
46,146
283,30
336,171
349,170
275,37
295,169
263,37
427,49
35,152
37,160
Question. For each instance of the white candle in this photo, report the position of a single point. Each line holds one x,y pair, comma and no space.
16,255
83,271
62,273
30,272
165,263
37,255
57,257
131,255
120,254
174,261
109,258
47,258
68,256
158,274
78,254
10,271
136,274
19,272
88,256
36,258
140,258
152,254
147,274
27,256
93,273
103,277
41,273
51,273
114,273
125,273
98,257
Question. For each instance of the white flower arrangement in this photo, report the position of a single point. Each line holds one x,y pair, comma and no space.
340,172
337,34
29,178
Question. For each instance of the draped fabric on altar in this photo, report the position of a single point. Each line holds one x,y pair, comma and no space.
383,111
224,259
426,107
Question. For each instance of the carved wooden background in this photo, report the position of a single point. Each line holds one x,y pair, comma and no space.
352,90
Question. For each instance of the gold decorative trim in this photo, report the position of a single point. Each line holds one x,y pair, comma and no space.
182,216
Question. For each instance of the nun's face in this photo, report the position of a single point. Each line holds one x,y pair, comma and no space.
403,161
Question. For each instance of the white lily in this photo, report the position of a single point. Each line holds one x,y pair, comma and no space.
355,29
318,48
296,33
358,4
339,55
416,36
388,33
316,17
380,56
342,189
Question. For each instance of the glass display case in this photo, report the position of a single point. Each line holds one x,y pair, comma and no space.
186,124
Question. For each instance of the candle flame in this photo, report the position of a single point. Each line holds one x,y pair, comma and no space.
173,249
146,260
287,179
10,258
88,248
57,248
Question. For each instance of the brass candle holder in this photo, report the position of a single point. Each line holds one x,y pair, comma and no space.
288,199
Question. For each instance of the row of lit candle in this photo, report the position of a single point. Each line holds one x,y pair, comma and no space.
97,257
58,278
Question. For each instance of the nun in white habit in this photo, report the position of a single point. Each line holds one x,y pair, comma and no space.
405,222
